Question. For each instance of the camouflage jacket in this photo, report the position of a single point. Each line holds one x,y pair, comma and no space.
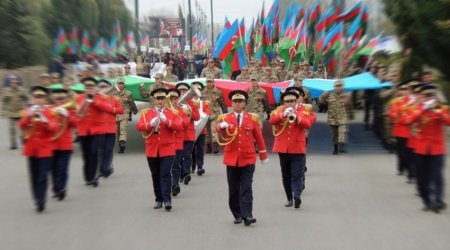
256,98
125,98
13,101
214,99
270,79
170,78
214,72
243,78
320,74
337,107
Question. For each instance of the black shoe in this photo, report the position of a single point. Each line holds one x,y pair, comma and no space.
176,190
335,150
289,203
297,202
93,183
187,179
157,205
60,195
440,205
168,205
200,172
237,221
40,207
249,220
109,173
342,148
208,148
215,147
13,147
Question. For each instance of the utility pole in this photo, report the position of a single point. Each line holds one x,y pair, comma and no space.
139,66
212,24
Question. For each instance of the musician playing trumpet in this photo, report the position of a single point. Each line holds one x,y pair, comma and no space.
289,127
192,112
38,125
64,110
198,154
158,125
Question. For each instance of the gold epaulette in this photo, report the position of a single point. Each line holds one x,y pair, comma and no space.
221,118
23,113
396,100
308,109
255,117
276,110
144,111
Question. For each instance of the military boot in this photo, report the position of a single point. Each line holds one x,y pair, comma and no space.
122,146
13,145
335,151
215,147
342,148
208,148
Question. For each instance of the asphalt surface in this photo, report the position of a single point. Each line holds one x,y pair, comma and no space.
351,201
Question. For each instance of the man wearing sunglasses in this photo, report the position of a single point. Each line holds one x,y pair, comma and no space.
290,124
238,131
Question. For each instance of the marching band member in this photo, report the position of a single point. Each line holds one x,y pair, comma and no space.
198,153
67,121
38,125
290,124
92,105
237,131
174,95
158,125
109,127
430,119
193,115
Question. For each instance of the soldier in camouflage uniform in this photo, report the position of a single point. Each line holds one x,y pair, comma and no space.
244,76
211,70
320,73
282,72
337,115
251,66
298,82
257,70
215,100
170,77
268,77
145,93
293,71
14,99
127,102
256,98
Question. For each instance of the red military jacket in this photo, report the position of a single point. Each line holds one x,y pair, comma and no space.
62,139
240,148
179,134
38,142
290,137
397,114
161,143
111,109
189,130
430,138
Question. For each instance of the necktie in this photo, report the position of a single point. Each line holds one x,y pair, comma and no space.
239,120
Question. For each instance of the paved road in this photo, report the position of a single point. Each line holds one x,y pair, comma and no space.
352,201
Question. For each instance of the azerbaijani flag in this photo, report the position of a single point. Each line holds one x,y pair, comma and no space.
145,41
117,31
62,42
226,41
85,44
100,47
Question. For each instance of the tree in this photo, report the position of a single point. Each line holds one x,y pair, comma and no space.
421,27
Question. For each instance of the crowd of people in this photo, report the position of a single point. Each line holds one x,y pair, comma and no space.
185,122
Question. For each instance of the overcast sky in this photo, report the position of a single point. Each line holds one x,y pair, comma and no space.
230,8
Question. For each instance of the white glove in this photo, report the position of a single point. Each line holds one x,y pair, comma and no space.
62,111
163,117
287,111
265,161
43,118
223,125
32,110
154,122
430,104
412,99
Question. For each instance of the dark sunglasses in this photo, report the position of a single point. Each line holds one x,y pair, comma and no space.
238,101
289,101
160,98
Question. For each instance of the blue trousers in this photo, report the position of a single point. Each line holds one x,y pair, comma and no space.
38,169
89,149
161,177
186,161
240,192
198,153
107,151
60,169
176,167
292,173
430,174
